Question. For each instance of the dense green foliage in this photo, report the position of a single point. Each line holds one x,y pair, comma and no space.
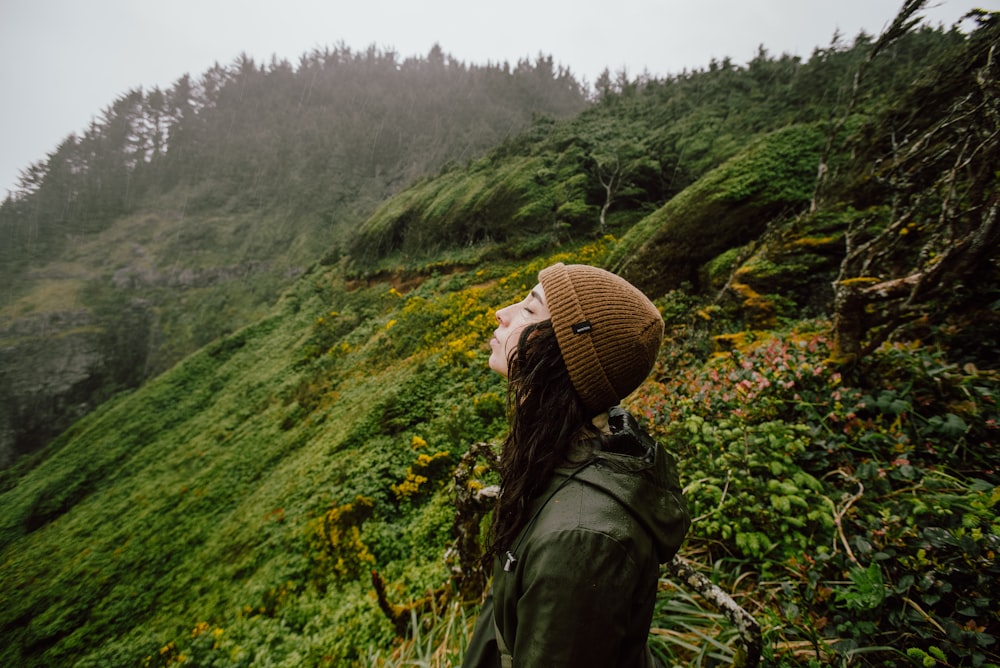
193,208
854,505
214,480
638,148
230,511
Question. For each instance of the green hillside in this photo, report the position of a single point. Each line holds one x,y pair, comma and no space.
285,494
180,215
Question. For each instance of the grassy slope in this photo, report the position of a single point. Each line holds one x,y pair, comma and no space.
729,207
205,516
196,497
150,479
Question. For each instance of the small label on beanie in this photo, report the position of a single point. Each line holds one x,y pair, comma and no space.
582,327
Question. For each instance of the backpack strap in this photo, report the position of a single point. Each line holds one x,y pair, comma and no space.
506,658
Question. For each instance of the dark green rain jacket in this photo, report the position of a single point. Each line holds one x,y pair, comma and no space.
578,586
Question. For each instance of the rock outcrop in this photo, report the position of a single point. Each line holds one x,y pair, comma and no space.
57,366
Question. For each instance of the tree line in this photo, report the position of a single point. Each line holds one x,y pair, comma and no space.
643,141
340,127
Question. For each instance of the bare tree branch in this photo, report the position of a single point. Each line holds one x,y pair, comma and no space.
746,625
901,25
942,228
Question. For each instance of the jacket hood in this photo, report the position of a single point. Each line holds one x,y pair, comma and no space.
639,474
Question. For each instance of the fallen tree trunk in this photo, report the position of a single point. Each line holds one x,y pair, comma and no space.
746,625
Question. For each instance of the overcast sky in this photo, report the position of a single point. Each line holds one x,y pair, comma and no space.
63,61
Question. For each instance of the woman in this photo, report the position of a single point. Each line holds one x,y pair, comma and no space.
589,505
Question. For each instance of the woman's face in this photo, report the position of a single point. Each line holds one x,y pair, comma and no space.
510,321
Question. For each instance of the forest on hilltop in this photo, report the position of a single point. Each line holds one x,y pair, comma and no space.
340,126
179,215
292,477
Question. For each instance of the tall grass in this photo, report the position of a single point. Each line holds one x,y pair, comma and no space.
435,641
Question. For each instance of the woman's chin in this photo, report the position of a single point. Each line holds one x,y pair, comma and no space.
498,366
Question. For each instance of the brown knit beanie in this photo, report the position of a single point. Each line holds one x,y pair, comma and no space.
608,331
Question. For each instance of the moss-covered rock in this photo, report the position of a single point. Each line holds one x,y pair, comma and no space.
727,208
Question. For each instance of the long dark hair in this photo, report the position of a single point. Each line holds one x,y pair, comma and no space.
546,415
